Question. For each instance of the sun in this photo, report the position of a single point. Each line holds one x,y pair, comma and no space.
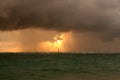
57,43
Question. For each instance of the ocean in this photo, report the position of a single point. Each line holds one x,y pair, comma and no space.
52,66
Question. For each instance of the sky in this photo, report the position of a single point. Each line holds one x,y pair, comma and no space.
70,25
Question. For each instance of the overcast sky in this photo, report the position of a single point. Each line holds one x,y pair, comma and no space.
88,25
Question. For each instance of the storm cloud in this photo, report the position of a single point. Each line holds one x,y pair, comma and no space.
101,17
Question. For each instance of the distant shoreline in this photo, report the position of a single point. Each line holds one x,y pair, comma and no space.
60,53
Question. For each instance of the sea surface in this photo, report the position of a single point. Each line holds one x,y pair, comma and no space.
41,66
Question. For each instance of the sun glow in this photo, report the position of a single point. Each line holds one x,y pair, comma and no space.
58,41
55,44
10,47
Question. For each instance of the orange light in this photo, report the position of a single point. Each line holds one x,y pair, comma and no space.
58,43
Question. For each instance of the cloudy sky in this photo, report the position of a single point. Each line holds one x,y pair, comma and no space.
81,25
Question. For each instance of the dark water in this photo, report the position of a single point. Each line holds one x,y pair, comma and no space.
59,66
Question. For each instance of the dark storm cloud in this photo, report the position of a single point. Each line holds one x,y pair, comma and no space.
98,16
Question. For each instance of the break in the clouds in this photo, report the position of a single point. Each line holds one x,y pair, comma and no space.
101,17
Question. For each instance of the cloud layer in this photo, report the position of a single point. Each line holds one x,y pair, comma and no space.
101,17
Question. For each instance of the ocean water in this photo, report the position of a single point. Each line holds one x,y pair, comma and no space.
24,66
